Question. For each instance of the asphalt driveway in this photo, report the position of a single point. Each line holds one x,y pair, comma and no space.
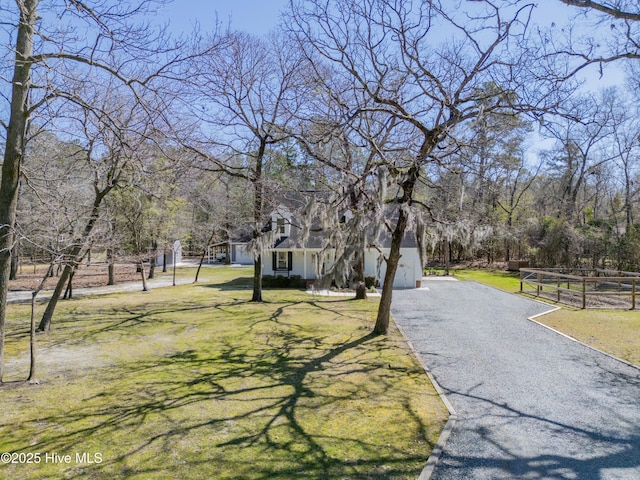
531,404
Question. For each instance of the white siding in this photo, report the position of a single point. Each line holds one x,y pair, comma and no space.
408,271
298,268
240,255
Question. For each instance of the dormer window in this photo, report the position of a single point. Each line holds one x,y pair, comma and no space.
281,222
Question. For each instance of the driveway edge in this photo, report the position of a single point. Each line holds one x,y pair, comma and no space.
590,347
434,458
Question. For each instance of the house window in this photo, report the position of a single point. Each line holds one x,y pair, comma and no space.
281,224
282,264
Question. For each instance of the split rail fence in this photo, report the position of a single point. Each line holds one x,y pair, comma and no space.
587,288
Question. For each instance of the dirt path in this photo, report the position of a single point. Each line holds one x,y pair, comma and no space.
95,286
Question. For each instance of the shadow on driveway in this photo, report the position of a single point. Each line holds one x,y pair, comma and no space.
531,404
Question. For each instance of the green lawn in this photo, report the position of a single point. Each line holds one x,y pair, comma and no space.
195,382
501,279
614,331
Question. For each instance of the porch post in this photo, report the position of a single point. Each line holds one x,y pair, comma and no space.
304,264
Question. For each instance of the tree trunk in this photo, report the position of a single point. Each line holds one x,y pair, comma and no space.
447,256
257,279
75,256
14,152
32,341
384,310
164,261
68,293
15,261
142,274
361,287
204,253
227,257
258,205
111,267
152,260
111,271
32,331
45,322
628,202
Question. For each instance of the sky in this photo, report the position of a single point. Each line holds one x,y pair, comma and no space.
261,16
253,16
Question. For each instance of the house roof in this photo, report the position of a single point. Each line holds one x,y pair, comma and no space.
295,202
317,240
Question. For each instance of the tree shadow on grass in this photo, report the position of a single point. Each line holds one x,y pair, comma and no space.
275,401
123,320
234,284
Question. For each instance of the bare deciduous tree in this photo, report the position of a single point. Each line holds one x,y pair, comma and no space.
61,48
248,93
579,133
622,9
612,32
114,142
404,68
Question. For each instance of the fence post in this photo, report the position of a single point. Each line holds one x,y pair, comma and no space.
584,293
558,288
538,280
633,294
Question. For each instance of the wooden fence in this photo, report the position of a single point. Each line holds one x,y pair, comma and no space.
591,288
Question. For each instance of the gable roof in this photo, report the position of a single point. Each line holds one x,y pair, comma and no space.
295,203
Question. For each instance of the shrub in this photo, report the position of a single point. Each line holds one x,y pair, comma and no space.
369,281
294,281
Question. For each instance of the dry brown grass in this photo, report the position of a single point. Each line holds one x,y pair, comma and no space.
94,275
613,331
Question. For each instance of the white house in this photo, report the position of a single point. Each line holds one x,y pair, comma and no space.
290,255
239,253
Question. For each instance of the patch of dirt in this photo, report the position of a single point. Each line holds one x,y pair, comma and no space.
94,275
56,360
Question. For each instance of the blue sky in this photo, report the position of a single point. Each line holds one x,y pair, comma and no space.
254,16
260,16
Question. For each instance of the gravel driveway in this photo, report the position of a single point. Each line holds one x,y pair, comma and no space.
531,404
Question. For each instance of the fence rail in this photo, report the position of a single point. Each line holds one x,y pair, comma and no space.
594,288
